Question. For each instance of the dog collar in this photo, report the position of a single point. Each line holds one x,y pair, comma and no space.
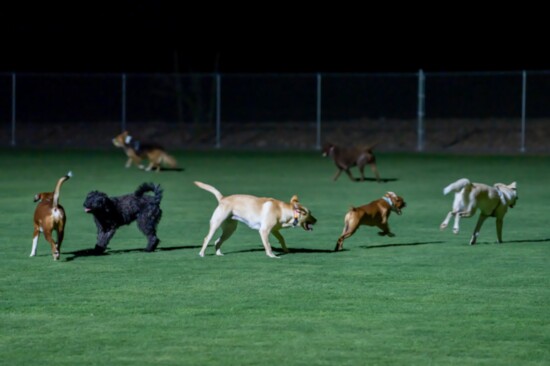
296,216
390,203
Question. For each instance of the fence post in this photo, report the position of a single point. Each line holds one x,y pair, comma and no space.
420,111
523,108
318,142
13,85
218,110
123,102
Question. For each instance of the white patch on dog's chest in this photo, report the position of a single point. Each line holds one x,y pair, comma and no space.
253,225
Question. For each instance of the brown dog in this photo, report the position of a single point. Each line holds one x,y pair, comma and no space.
49,216
375,213
137,151
346,158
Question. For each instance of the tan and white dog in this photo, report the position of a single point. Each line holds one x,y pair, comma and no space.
375,213
267,215
492,201
49,216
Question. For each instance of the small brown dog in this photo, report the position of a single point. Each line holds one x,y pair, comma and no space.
346,158
49,216
137,151
375,213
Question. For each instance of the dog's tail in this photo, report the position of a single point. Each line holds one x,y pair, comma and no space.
210,189
150,187
58,188
169,160
457,186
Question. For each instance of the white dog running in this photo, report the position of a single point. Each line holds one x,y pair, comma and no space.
492,201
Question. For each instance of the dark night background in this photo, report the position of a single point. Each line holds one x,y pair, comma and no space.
165,37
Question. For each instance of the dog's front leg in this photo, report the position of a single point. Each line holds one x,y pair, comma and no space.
281,240
480,222
385,230
128,163
456,226
264,234
500,221
103,239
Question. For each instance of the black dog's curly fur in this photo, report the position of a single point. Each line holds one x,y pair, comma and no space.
112,212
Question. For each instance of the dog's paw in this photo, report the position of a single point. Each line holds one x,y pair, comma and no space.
455,230
443,226
391,235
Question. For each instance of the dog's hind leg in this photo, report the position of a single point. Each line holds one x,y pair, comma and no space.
350,227
147,223
337,174
445,222
281,240
228,228
456,226
264,234
217,219
49,238
34,241
480,222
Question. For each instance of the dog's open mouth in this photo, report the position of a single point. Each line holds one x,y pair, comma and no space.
307,226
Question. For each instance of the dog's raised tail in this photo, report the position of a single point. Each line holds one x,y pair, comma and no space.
457,186
58,188
210,189
150,187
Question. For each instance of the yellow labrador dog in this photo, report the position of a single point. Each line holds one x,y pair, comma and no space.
267,215
492,201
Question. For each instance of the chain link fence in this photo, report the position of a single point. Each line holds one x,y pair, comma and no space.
455,112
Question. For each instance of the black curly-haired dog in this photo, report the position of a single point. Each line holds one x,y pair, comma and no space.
112,212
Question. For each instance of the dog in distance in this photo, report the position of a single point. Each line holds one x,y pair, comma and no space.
346,158
137,151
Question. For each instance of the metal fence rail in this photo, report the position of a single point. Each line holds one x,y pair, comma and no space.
481,111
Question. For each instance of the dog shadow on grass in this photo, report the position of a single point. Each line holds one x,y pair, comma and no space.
163,169
400,244
382,180
281,252
514,241
70,256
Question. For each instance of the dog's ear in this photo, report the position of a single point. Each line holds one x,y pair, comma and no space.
294,201
513,185
37,197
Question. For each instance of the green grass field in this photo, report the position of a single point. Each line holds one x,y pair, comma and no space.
424,297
